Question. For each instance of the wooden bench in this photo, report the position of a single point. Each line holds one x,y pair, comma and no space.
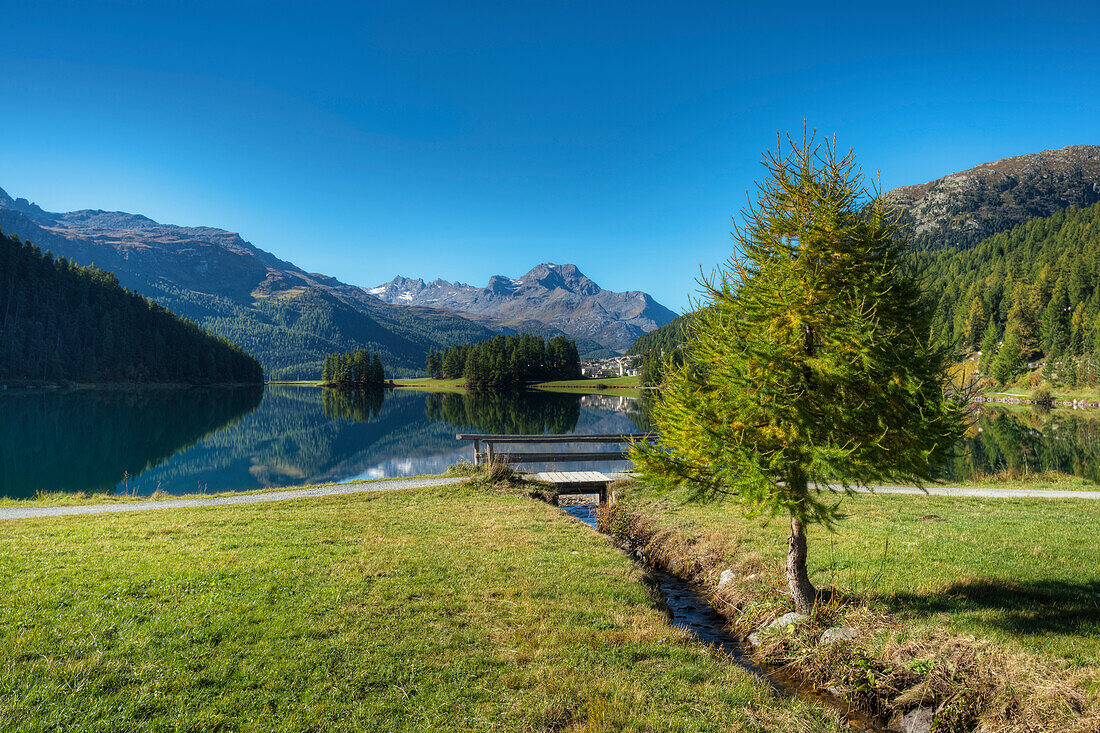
566,482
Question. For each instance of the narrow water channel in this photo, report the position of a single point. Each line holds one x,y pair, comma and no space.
689,609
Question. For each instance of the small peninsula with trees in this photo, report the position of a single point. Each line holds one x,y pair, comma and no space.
359,369
507,361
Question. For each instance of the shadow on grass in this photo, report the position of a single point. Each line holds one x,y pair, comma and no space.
1035,607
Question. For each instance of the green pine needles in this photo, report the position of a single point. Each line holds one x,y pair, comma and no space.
809,361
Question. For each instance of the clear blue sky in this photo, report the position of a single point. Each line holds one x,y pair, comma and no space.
461,140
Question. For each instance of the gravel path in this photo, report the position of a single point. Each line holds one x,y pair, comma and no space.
139,506
417,483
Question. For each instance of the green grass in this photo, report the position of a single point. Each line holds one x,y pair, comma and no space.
629,386
421,610
1025,572
427,384
1039,481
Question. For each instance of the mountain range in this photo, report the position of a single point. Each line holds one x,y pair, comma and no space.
289,318
549,296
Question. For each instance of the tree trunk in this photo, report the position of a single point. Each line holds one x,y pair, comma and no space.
798,579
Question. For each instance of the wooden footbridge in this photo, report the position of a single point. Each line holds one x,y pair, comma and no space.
566,482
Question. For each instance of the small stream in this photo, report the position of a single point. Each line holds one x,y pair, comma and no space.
689,609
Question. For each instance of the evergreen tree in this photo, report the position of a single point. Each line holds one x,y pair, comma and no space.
811,363
511,361
990,339
1010,359
354,369
377,373
975,324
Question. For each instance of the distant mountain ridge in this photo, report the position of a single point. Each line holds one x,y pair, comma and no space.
288,318
559,297
961,209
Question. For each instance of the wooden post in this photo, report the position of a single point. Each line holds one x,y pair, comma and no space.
490,446
477,452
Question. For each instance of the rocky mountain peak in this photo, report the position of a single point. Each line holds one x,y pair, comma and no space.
550,298
962,208
567,277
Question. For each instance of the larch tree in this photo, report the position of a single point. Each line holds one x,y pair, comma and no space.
810,361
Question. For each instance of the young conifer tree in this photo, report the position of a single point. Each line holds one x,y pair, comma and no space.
810,361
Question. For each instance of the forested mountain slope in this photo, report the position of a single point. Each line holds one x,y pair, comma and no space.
661,340
1036,287
61,322
286,317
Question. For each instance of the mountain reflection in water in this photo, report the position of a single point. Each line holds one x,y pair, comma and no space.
207,441
95,440
211,440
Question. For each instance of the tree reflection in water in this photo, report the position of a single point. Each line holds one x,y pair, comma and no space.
363,405
97,440
526,413
1015,443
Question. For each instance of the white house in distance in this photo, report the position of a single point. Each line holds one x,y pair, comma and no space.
617,366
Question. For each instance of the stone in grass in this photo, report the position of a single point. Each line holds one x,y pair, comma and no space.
918,720
787,619
727,576
838,633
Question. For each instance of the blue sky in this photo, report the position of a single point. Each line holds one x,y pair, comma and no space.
462,140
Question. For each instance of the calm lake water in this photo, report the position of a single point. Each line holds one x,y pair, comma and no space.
211,440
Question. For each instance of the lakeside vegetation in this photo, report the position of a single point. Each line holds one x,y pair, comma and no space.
410,610
63,323
124,625
659,349
1029,295
507,362
359,369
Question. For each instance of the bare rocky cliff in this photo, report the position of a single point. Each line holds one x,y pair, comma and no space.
963,208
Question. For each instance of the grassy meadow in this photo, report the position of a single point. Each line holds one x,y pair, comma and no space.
1025,572
629,386
428,384
621,385
439,609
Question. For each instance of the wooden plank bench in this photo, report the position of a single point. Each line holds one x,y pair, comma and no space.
491,441
566,482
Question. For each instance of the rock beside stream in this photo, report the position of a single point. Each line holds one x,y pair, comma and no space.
787,619
914,721
838,633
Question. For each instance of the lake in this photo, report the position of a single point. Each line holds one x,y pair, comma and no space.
180,441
